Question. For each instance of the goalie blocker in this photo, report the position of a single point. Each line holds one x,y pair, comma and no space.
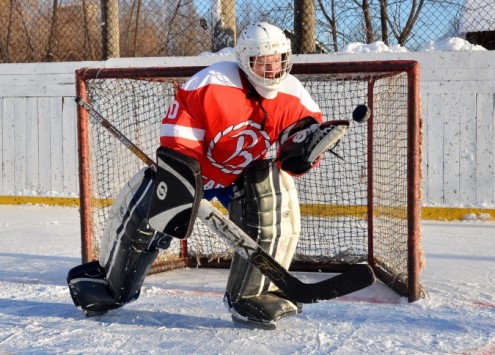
142,220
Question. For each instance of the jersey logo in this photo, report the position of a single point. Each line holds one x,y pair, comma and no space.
236,146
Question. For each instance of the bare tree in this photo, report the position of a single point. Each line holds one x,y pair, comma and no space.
89,30
402,32
24,32
172,21
304,26
332,22
377,19
368,23
6,22
53,32
110,29
224,24
383,21
131,25
136,27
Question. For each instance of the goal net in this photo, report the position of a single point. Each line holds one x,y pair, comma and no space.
360,205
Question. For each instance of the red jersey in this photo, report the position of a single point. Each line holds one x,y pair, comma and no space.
215,120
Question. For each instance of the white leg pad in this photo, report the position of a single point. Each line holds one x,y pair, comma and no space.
269,212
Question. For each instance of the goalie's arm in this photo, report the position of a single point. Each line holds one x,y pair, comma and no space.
302,144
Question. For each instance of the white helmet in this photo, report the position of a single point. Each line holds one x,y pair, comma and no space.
258,40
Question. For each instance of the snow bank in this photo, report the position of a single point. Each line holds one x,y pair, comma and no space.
375,47
449,44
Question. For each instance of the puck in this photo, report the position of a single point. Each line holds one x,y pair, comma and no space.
361,113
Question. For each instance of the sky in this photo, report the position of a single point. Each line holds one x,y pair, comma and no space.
182,312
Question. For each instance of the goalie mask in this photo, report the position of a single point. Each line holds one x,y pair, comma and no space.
264,54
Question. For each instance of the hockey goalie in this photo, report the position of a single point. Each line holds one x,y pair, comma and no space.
214,140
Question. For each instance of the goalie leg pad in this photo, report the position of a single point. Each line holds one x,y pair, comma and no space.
127,250
267,209
150,210
129,246
90,289
176,195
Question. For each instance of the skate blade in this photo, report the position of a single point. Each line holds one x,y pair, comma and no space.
249,323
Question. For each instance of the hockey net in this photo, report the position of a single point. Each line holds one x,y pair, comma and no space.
361,204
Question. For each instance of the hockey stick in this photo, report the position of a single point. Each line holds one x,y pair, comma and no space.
358,277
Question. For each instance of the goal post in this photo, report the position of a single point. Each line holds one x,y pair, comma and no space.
361,204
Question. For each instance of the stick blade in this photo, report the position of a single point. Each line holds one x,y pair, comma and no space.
358,277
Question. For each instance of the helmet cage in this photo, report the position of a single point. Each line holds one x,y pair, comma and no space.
262,40
273,72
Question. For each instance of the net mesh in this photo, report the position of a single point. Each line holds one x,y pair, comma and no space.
336,197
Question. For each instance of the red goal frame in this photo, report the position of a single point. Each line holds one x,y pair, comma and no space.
411,288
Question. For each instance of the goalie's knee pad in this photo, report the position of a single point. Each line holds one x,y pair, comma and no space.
176,195
267,209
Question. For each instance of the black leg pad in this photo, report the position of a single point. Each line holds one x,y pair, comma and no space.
131,266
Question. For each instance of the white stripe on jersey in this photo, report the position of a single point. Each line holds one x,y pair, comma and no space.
221,73
292,86
173,130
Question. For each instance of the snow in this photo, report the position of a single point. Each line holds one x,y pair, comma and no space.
182,311
375,47
449,44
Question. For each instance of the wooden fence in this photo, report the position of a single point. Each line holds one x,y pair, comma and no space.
38,126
